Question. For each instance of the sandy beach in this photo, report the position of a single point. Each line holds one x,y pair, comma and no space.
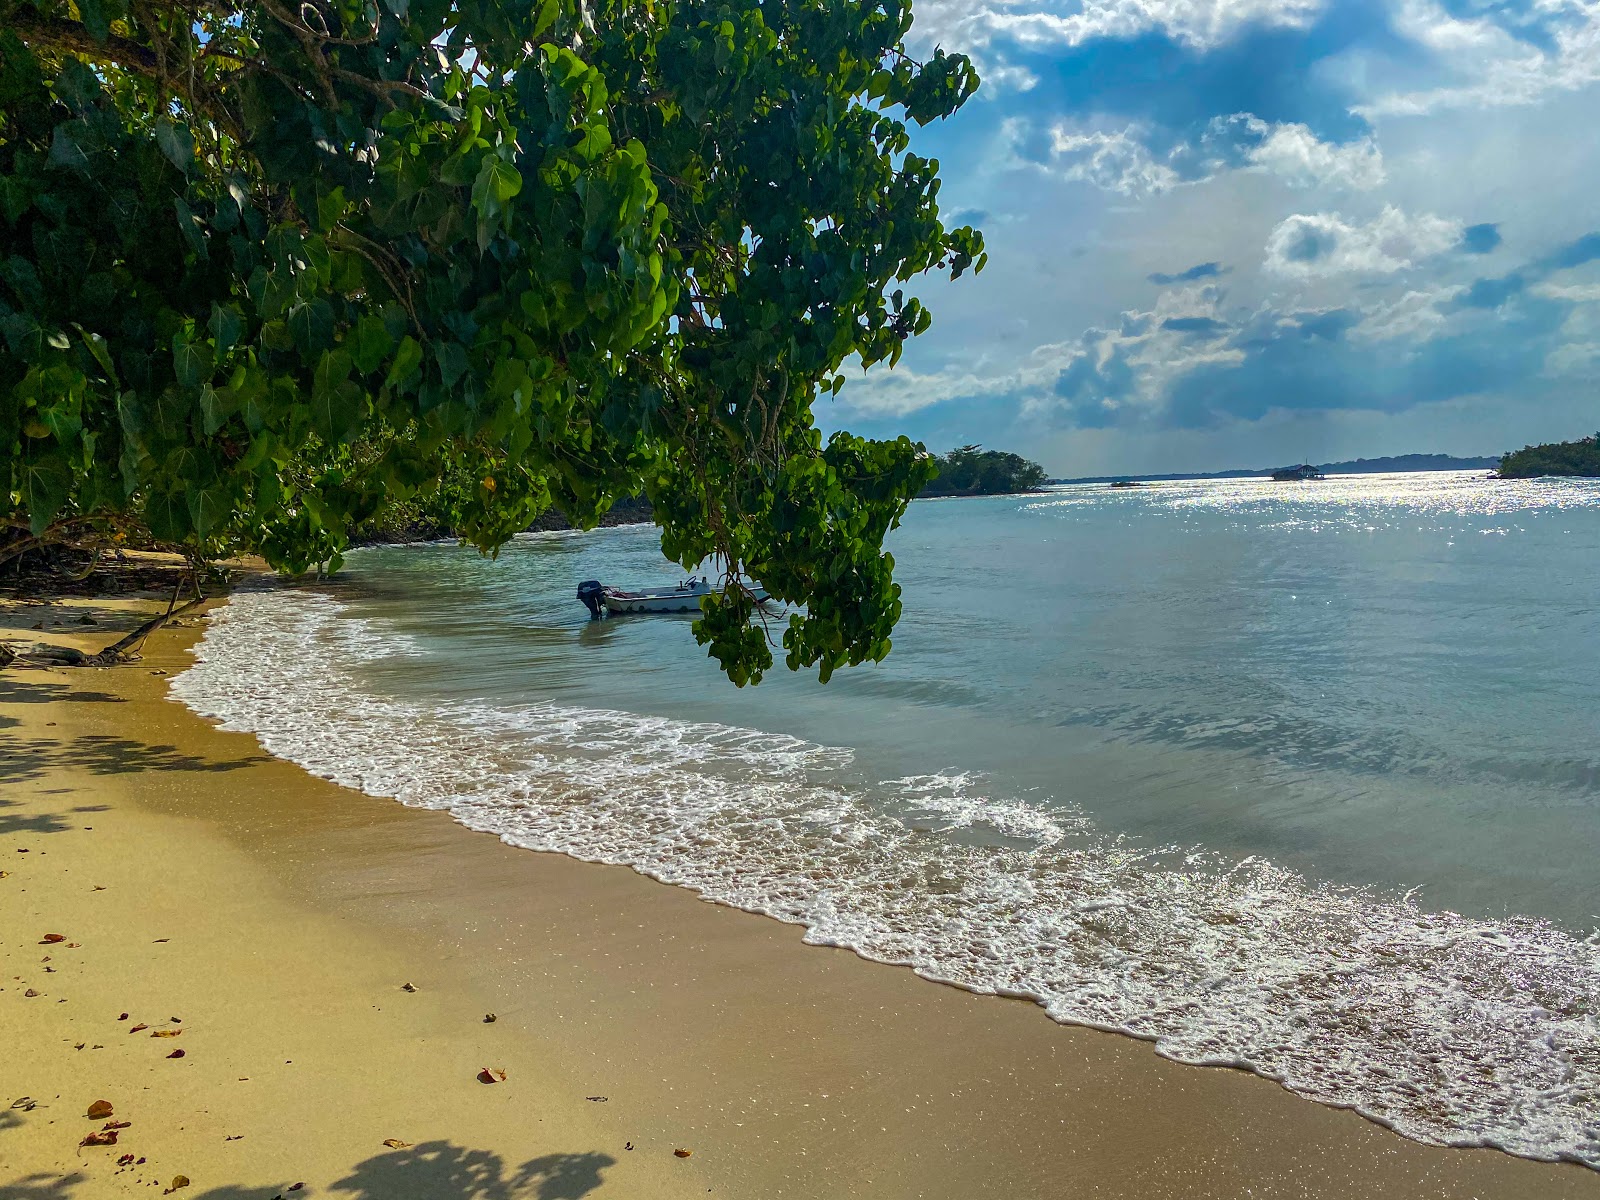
214,901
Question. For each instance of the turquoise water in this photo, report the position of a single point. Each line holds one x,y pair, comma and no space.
1301,778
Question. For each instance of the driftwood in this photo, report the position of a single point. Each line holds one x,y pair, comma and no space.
125,650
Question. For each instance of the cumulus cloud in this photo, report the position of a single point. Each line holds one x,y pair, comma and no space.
1292,152
1499,54
1115,162
1307,245
1041,25
1139,160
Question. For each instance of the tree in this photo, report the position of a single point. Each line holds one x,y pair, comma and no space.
1581,457
974,471
265,268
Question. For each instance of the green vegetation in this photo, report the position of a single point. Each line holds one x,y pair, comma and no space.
1581,457
268,268
974,471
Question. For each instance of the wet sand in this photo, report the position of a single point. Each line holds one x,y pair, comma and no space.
279,916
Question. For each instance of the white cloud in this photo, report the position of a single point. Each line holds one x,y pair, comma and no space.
1114,162
1040,25
1121,160
1417,316
1498,69
1292,152
1307,245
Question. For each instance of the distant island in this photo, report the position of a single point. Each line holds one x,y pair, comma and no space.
974,471
1581,457
1359,466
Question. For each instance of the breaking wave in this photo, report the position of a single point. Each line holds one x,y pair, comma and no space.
1448,1029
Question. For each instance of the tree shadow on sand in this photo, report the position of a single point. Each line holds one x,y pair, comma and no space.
441,1171
25,758
42,1187
430,1171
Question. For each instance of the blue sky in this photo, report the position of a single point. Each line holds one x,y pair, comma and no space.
1245,232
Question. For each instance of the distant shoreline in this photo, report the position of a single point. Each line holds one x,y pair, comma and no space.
1358,466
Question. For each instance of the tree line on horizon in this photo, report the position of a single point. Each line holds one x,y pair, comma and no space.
1580,458
269,269
973,471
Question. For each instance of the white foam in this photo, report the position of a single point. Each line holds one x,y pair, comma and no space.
1450,1030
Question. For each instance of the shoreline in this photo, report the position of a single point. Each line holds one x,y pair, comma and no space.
789,1070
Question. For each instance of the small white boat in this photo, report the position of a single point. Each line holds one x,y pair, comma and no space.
685,597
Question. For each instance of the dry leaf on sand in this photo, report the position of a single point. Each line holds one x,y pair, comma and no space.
100,1110
106,1137
682,1153
178,1181
50,939
397,1144
492,1075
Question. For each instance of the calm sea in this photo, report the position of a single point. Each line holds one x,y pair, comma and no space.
1301,778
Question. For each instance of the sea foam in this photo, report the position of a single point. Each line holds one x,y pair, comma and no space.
1450,1030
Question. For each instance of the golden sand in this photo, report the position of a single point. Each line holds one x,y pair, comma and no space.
273,918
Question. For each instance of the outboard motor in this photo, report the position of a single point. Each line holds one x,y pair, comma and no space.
590,591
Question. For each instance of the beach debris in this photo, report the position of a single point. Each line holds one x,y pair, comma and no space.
397,1144
166,1033
25,1103
125,1160
488,1018
176,1020
597,1099
100,1110
682,1153
408,987
116,1125
105,1137
178,1181
3,874
30,993
158,672
123,1017
295,1187
176,1054
74,945
139,1028
158,941
99,887
492,1075
234,1137
50,939
629,1146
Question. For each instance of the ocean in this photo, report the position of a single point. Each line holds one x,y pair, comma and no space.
1298,778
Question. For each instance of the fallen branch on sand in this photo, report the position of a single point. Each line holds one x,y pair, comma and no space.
42,654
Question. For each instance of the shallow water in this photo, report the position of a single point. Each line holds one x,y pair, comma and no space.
1299,777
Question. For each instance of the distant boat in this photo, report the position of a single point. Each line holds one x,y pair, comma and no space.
1127,483
1297,473
685,597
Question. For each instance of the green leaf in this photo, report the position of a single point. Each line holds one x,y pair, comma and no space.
189,226
209,509
191,361
407,358
176,143
166,514
452,361
371,344
226,327
46,483
64,148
